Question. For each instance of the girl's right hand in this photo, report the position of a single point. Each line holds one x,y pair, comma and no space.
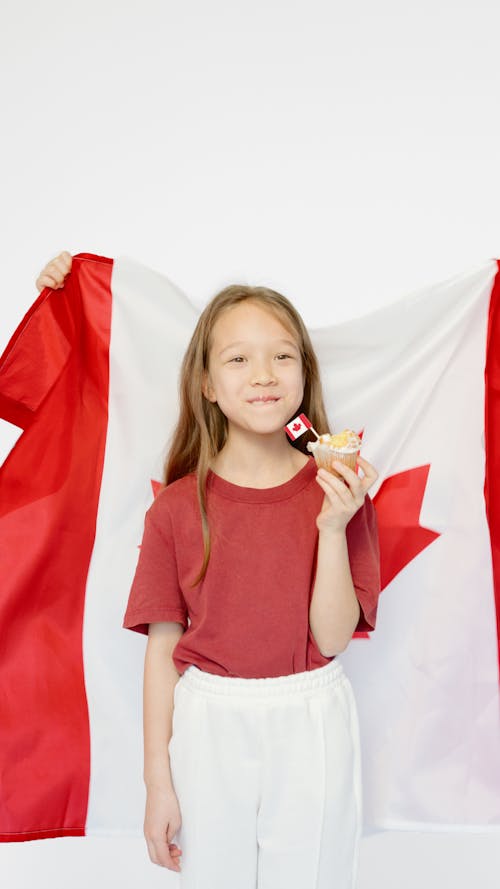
161,822
55,271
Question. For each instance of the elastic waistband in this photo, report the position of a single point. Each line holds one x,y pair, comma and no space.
212,683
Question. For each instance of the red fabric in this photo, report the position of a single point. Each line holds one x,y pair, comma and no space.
249,617
54,385
492,438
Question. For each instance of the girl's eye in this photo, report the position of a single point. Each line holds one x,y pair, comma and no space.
239,358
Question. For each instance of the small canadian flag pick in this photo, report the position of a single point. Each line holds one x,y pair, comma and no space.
298,426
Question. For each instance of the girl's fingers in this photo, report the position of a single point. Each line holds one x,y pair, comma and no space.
46,281
370,474
367,468
66,257
164,857
329,481
58,270
55,271
63,262
352,479
59,267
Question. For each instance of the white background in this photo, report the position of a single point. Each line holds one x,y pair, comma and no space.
345,154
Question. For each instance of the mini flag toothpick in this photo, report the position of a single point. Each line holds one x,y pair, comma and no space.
298,426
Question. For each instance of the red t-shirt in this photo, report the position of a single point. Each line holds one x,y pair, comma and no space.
249,617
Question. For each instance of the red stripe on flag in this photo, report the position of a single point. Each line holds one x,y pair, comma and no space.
53,375
492,438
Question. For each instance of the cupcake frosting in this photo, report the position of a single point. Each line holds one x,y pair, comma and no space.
346,441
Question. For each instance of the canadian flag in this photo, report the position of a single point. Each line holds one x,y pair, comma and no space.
298,426
89,378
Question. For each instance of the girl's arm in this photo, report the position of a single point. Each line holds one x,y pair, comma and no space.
334,609
162,818
160,679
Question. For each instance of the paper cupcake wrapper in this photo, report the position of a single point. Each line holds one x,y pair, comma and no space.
325,457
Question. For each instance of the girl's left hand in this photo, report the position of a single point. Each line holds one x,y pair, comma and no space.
343,500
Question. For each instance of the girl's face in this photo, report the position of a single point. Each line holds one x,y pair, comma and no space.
255,369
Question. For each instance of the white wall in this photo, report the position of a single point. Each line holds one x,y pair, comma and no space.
345,154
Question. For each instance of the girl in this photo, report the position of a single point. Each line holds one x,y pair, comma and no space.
254,571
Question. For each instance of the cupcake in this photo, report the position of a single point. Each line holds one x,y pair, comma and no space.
343,446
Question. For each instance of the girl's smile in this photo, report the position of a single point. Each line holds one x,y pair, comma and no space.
268,399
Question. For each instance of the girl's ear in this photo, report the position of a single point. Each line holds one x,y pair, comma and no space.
206,387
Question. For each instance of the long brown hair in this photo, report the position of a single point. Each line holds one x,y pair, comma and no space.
202,427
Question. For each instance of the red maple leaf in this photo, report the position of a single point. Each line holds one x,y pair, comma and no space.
296,427
398,502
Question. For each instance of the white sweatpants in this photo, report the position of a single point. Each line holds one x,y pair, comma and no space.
268,777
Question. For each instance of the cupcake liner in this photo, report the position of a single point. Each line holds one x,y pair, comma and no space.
325,456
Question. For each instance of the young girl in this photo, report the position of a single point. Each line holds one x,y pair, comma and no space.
254,571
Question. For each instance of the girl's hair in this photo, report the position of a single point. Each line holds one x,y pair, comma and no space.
202,427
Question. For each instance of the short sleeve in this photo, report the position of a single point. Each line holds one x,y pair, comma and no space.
364,558
155,594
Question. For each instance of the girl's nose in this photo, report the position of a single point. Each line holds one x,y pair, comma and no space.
264,376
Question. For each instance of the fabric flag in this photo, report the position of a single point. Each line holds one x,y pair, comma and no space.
90,378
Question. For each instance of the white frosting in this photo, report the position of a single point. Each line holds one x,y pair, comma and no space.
324,445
